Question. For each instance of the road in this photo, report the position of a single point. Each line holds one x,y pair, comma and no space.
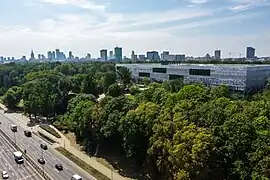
32,145
15,171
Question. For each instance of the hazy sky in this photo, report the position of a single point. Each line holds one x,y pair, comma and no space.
193,27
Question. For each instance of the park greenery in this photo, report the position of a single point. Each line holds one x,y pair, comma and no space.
169,130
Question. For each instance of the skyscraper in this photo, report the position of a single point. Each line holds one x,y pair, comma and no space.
152,55
133,57
118,53
250,53
70,56
217,54
111,55
57,54
53,55
103,54
49,55
32,55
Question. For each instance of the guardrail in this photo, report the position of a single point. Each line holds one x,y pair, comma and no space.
28,158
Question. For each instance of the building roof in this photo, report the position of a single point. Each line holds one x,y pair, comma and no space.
200,65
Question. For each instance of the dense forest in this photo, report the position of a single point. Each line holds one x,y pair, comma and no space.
171,131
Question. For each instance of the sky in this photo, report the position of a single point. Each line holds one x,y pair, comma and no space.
191,27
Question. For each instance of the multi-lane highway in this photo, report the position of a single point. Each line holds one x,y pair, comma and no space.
32,145
15,171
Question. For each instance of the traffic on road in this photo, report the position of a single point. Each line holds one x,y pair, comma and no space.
10,168
53,163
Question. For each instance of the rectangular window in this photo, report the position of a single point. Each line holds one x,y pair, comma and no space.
173,76
160,70
144,74
199,72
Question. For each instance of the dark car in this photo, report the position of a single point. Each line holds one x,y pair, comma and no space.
41,161
59,167
27,133
44,146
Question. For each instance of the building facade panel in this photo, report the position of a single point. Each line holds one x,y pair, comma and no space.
237,77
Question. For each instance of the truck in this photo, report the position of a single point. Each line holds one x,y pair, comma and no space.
18,157
13,128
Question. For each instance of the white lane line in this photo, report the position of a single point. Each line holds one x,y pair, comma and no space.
13,173
36,152
5,164
27,177
65,167
55,170
53,158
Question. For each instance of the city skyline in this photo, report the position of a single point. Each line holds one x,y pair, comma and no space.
192,27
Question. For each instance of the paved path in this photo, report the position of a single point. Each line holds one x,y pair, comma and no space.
65,142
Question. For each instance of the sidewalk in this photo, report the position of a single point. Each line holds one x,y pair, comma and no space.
65,142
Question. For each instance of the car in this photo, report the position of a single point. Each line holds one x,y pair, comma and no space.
44,146
59,167
5,175
76,177
27,133
41,161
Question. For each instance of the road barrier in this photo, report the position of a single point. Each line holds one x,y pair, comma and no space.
28,158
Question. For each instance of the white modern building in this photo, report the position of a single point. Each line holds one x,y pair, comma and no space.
238,77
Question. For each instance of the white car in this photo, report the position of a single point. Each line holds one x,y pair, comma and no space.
5,175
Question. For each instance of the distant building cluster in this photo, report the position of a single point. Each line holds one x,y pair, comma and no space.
116,55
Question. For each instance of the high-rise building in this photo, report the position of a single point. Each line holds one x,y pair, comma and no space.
165,55
103,54
57,54
118,54
88,56
217,54
250,53
70,56
133,57
111,55
32,55
141,57
152,55
49,55
53,55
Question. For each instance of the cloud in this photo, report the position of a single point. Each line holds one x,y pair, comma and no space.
242,5
198,1
85,4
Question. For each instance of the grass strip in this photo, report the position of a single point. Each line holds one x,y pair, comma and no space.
82,164
50,130
46,137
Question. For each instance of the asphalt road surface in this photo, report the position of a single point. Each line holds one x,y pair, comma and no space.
15,171
32,145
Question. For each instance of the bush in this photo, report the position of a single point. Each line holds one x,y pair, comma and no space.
50,130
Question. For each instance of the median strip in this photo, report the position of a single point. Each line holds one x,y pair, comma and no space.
50,130
82,164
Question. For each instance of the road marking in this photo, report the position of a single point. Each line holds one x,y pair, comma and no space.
26,177
53,158
65,167
13,173
56,170
5,164
22,171
36,152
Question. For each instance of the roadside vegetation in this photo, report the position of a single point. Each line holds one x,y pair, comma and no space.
50,130
168,130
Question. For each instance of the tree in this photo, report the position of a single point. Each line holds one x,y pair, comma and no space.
136,129
12,97
124,75
114,90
